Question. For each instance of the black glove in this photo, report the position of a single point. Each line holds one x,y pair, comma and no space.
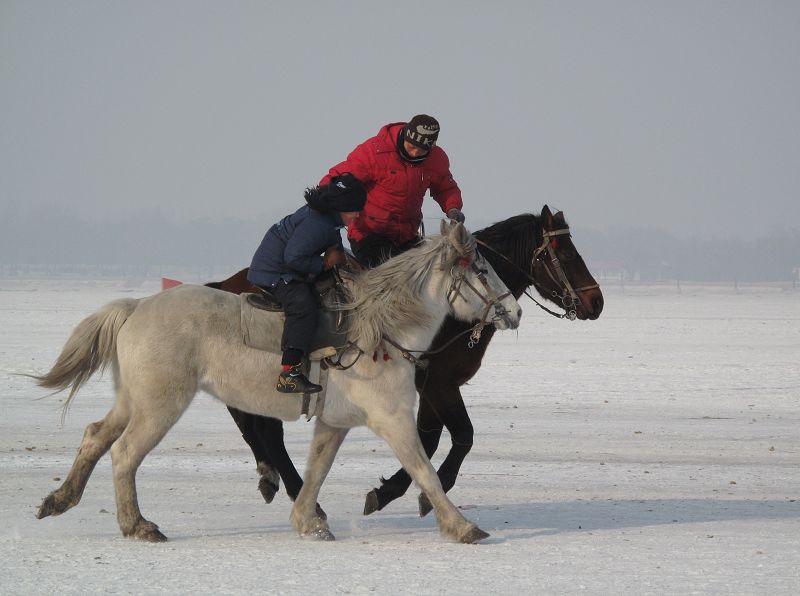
456,215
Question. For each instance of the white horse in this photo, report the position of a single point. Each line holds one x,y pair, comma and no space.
165,348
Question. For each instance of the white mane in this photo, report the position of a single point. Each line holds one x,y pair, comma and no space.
389,297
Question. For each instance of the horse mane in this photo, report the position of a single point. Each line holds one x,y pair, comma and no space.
514,237
387,299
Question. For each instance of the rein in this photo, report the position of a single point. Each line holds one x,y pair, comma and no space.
337,364
420,362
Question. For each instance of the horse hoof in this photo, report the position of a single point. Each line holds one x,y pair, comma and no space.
52,506
425,506
473,536
321,513
269,483
322,534
47,507
371,504
148,532
267,488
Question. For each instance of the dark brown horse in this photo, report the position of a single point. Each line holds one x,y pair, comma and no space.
525,250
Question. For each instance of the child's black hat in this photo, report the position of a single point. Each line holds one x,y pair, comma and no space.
343,193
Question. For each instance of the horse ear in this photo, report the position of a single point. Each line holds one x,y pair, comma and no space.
547,216
444,229
460,233
464,241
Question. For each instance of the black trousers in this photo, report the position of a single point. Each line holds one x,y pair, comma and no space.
299,302
373,250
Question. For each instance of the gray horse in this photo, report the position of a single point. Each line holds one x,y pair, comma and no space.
165,348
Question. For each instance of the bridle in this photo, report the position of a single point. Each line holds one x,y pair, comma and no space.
546,255
569,295
489,298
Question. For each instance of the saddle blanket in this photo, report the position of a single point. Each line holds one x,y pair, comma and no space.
262,329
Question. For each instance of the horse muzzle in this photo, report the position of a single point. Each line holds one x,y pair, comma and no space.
590,305
507,319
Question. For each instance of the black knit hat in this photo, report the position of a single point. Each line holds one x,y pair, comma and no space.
343,193
422,131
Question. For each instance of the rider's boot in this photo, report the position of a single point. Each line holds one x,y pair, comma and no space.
293,380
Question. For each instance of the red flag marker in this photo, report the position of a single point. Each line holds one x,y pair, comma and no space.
167,283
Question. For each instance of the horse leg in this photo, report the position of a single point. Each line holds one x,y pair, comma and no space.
146,428
456,419
429,428
97,439
401,434
324,446
250,427
264,435
270,433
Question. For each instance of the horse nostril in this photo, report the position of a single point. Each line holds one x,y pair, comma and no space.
519,313
597,303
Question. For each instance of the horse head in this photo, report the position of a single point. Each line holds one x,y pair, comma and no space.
474,285
559,272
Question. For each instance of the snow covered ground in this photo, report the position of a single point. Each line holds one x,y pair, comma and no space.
656,450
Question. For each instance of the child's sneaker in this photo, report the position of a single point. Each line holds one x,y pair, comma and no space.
294,381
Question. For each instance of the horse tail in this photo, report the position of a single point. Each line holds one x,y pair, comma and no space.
92,345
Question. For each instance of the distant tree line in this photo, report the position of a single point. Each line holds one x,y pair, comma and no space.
653,254
57,236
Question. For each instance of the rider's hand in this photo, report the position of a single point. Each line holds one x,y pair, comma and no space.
333,256
456,215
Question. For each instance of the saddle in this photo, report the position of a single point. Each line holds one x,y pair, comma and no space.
262,318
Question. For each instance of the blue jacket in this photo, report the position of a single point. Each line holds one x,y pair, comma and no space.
292,247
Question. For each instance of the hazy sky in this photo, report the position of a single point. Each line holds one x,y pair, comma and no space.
683,115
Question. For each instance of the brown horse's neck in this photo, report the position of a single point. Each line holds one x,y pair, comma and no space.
513,243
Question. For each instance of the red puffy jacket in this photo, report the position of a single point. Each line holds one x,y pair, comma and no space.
395,188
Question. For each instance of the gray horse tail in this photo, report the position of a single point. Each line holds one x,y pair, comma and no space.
92,345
